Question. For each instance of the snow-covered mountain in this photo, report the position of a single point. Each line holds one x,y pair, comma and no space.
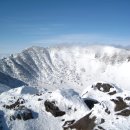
82,88
74,66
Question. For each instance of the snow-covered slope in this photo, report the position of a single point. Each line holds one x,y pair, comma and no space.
75,66
101,106
82,88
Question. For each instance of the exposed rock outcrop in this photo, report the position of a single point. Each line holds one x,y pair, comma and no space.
53,109
16,104
85,123
104,87
120,104
22,113
90,103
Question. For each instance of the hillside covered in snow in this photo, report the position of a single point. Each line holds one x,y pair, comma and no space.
101,106
72,66
62,88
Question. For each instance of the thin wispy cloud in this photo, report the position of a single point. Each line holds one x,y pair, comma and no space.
84,39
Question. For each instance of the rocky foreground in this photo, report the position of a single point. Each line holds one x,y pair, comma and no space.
101,106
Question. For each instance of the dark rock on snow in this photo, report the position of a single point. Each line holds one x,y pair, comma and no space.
85,123
16,104
90,103
53,109
22,113
104,87
125,112
120,104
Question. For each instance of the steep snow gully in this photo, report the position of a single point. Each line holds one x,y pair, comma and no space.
64,88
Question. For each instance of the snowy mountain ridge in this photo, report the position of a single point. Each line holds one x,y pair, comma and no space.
75,66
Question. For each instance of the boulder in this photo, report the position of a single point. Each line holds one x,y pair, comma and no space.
104,87
85,123
120,104
90,103
125,112
22,113
53,109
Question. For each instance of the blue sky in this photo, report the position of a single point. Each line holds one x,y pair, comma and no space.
24,23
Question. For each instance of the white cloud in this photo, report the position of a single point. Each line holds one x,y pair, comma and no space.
84,39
